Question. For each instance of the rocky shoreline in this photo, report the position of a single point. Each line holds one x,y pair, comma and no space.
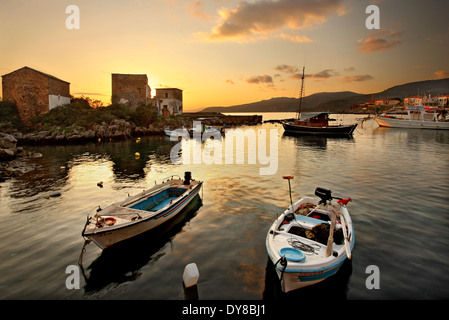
13,159
117,129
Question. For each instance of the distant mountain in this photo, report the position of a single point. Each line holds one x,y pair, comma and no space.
338,101
285,104
432,87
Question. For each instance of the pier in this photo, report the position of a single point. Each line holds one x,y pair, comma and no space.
217,118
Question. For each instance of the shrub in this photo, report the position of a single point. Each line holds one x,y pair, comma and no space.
144,116
9,116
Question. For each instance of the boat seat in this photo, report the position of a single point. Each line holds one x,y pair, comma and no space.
310,219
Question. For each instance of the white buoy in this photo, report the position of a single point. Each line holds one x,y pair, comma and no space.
191,275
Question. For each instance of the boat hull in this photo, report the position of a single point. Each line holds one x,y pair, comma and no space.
316,266
343,130
411,124
107,237
297,280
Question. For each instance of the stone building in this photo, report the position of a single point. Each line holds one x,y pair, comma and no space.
34,92
169,101
130,89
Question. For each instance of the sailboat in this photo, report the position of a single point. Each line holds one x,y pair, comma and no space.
315,123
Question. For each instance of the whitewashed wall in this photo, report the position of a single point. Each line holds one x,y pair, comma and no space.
54,101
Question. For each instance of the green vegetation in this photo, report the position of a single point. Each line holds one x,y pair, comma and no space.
82,113
9,117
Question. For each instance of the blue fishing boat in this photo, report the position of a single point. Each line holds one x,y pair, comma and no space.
142,212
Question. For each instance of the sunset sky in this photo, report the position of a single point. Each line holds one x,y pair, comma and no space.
227,52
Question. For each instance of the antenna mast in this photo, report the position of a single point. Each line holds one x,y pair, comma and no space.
301,93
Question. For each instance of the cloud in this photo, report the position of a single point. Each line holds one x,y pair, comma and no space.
196,9
249,20
357,78
230,81
371,45
322,75
260,79
90,94
441,74
296,74
325,74
293,38
377,42
286,68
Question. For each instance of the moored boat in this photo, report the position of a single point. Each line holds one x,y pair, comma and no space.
316,123
422,116
310,240
142,212
209,130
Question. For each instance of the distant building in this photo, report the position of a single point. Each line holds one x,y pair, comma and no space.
443,101
34,92
413,101
169,101
132,89
387,102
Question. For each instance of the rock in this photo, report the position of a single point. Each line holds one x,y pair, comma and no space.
7,141
73,137
7,154
60,136
89,134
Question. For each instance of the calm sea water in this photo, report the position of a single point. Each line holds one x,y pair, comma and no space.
398,180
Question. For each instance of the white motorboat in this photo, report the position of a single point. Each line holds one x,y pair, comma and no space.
140,213
422,116
311,240
209,130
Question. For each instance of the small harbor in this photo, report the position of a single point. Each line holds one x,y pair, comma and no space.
397,180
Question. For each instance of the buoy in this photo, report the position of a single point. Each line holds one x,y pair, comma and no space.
100,184
191,275
137,155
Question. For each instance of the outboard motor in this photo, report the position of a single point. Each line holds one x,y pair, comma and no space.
323,194
187,177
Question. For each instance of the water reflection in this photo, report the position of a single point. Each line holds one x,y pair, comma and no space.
122,262
52,171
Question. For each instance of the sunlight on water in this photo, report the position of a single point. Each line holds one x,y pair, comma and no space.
398,180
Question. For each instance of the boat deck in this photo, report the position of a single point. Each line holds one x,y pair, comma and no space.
294,234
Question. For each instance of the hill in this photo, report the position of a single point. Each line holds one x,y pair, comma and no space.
432,87
284,104
338,101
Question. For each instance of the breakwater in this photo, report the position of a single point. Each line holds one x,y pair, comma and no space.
217,118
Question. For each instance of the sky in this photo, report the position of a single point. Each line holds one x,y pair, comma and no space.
228,52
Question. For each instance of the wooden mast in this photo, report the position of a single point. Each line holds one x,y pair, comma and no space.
301,94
